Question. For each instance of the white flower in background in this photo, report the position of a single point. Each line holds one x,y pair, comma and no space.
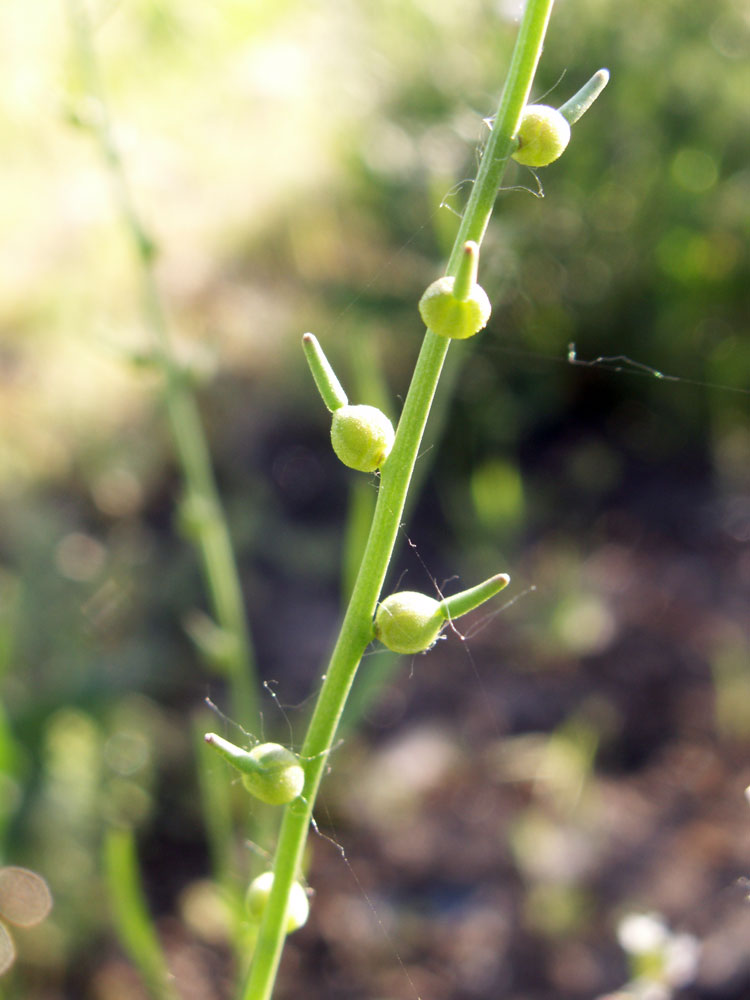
660,960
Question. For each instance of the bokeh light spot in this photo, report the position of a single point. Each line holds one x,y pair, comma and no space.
695,170
25,899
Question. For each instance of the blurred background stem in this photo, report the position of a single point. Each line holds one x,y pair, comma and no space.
202,509
134,924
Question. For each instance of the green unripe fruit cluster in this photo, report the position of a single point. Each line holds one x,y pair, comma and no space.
257,898
280,777
408,622
448,316
542,136
362,436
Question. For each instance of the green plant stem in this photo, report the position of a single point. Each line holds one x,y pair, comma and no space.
356,629
211,531
134,924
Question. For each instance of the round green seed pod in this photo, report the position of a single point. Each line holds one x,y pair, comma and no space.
362,436
542,136
257,897
281,776
448,316
408,622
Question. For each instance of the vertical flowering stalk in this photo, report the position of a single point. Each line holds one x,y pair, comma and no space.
457,308
357,627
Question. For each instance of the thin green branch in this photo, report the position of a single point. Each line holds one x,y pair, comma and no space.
204,509
356,629
134,925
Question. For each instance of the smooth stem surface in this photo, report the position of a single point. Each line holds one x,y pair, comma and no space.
356,629
501,143
135,927
212,534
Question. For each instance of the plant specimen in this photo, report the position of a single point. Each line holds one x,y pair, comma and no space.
454,307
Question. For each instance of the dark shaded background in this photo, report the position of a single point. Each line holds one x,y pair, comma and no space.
582,754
